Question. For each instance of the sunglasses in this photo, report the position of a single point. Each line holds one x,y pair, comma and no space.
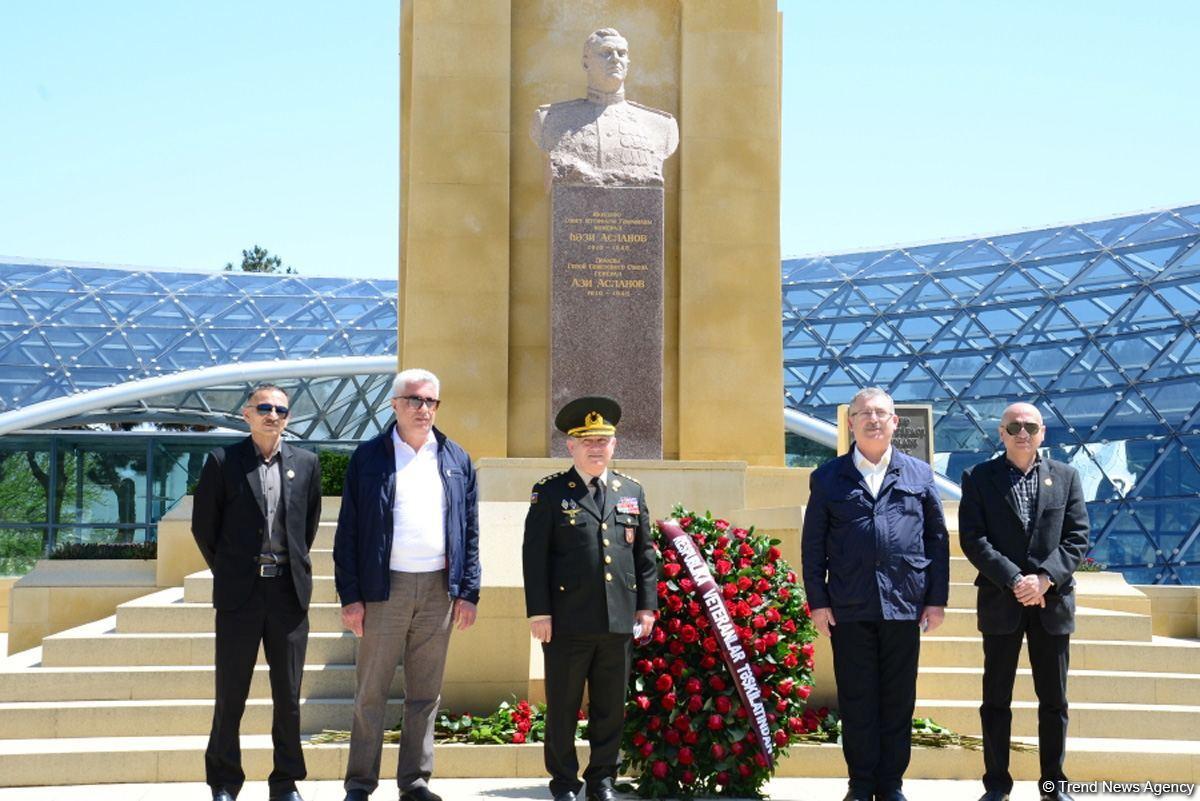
415,402
1014,428
266,408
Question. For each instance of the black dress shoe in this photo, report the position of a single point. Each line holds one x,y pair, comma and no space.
356,795
853,795
891,795
421,793
222,795
568,795
994,795
291,795
604,792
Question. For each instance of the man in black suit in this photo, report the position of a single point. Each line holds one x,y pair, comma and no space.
255,514
1024,524
591,582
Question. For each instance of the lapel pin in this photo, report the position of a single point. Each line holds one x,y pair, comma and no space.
1049,482
571,484
616,484
292,473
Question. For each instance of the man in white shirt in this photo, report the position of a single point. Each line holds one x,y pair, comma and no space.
406,557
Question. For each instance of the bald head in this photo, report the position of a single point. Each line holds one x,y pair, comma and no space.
1022,432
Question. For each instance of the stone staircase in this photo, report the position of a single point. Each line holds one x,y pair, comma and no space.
129,698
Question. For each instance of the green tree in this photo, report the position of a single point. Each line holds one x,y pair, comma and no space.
259,260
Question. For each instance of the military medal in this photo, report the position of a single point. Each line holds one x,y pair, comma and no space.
628,506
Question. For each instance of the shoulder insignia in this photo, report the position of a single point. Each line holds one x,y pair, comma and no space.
552,475
657,111
627,477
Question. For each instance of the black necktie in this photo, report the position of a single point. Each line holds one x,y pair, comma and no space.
598,493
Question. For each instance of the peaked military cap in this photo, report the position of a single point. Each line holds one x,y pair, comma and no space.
591,416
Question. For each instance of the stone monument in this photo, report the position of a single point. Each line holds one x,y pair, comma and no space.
604,173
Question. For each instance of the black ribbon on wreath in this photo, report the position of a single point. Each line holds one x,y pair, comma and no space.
735,655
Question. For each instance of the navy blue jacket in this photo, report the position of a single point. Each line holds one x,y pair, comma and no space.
871,558
362,546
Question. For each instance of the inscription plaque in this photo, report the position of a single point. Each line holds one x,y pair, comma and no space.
606,307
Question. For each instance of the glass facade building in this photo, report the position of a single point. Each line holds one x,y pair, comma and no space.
1097,323
67,328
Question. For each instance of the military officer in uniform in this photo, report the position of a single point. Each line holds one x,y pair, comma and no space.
590,583
604,139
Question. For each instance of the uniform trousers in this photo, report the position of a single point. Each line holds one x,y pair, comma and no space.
602,662
1049,655
875,663
411,628
273,617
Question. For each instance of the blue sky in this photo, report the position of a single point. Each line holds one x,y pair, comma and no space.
176,134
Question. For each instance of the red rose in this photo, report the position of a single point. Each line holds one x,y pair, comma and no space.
683,723
744,609
660,635
729,590
791,577
671,555
723,567
781,738
708,661
647,749
674,603
744,771
760,645
745,562
759,622
796,725
723,778
718,751
760,760
672,737
722,704
755,599
691,737
654,723
804,690
808,663
675,624
685,756
740,713
773,554
771,639
720,524
710,644
694,610
664,683
642,701
677,668
791,661
672,569
715,722
660,664
644,666
785,686
660,769
688,634
716,682
782,706
772,614
638,738
785,593
745,549
694,704
807,649
684,522
768,570
688,777
741,533
518,737
692,686
663,589
675,647
737,748
668,701
686,584
762,585
789,626
524,725
744,583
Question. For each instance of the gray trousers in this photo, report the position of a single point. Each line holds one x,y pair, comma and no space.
411,628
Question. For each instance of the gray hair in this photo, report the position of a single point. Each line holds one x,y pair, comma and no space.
871,392
264,387
414,375
595,37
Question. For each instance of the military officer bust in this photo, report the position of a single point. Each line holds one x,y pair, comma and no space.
604,139
590,582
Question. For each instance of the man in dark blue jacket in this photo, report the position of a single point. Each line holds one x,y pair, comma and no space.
406,565
876,572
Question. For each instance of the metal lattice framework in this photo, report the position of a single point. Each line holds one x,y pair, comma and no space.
1096,323
68,328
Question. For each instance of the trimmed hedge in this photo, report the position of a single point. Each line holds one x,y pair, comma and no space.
106,550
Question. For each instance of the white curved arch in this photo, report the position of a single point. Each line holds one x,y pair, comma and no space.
70,405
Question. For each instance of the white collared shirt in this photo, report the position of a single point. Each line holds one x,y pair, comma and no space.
418,516
873,473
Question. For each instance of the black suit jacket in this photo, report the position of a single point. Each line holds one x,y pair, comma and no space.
229,514
589,569
993,538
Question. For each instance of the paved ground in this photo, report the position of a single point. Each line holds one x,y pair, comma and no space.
509,790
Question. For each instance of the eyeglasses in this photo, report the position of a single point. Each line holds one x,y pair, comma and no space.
266,408
1014,428
878,414
415,402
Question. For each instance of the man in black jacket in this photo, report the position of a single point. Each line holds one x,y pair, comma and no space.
590,583
1023,523
255,514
